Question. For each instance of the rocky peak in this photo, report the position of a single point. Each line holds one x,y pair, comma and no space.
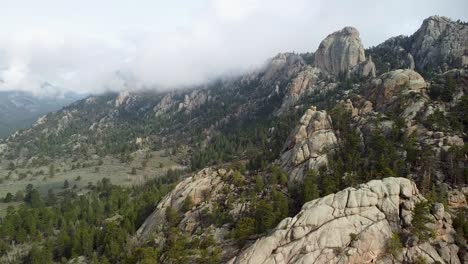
440,42
283,64
340,52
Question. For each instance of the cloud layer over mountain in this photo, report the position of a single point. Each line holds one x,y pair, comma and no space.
51,46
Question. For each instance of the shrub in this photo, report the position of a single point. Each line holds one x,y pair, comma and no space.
419,260
237,179
394,246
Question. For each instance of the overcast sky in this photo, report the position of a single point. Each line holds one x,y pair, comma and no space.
93,45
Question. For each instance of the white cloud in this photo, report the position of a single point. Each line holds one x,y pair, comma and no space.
242,9
235,9
104,52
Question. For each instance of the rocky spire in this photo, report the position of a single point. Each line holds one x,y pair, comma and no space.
340,52
367,68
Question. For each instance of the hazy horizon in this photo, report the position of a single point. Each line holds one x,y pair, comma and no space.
87,47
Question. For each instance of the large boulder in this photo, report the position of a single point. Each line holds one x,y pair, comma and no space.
307,146
340,52
353,226
440,41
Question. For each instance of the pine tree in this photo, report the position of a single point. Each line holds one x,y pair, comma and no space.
311,189
39,255
176,247
280,205
421,217
33,198
244,228
66,184
51,198
188,204
259,184
172,217
51,170
11,166
329,184
264,216
8,198
63,244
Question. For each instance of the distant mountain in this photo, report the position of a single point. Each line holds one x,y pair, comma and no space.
20,109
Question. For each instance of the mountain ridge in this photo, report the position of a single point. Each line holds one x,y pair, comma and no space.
269,152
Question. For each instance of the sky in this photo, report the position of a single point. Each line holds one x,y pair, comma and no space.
51,47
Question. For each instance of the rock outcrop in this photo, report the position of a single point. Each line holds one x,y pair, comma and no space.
400,91
309,81
200,188
164,105
194,100
366,68
410,61
307,146
440,41
283,65
207,190
340,52
122,98
354,226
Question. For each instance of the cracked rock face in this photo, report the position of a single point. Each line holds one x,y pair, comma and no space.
351,226
438,41
340,52
303,84
402,91
310,80
201,188
307,146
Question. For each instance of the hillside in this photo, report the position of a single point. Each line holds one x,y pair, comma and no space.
20,109
342,155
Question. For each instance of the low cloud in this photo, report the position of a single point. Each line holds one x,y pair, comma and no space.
227,37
